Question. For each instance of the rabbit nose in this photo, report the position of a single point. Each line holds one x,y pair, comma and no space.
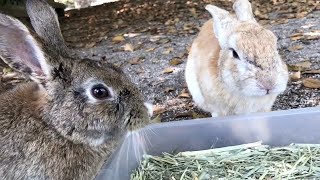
267,85
268,91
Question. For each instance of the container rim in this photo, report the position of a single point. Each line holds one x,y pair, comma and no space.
190,122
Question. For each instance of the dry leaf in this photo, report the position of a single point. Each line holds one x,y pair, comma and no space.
169,22
118,39
155,38
157,119
193,12
302,66
158,109
140,70
183,114
175,61
168,70
311,37
197,115
128,47
301,15
150,49
295,76
163,41
311,83
187,27
130,35
294,68
168,89
136,60
168,51
305,64
295,48
9,75
188,48
312,72
90,45
296,36
184,95
7,70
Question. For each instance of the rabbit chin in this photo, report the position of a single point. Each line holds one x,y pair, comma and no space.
258,92
95,137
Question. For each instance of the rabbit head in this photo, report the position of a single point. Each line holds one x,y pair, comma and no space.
87,101
249,62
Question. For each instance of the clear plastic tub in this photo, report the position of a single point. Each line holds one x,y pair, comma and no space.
276,128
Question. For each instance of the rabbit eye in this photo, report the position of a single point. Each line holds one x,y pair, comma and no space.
234,54
100,92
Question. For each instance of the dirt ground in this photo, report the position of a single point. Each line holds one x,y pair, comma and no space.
150,41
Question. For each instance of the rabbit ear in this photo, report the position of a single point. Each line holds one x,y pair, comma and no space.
19,49
222,23
45,22
243,10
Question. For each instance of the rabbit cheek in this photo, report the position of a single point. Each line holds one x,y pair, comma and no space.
230,76
245,79
282,78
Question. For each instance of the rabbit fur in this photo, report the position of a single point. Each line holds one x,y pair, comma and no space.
233,65
66,126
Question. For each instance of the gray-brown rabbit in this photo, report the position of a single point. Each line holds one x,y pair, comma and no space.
68,127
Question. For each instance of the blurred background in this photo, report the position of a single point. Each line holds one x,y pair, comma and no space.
150,41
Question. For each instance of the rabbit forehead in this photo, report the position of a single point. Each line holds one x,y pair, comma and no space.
91,71
254,42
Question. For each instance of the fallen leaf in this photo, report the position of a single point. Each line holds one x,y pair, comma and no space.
168,70
9,75
163,41
118,39
175,61
155,60
187,27
197,115
168,51
7,70
150,49
90,45
312,72
157,119
294,68
188,48
130,35
302,66
169,22
311,83
193,12
136,60
158,109
155,38
172,30
183,114
184,95
120,21
128,47
295,48
140,70
168,89
311,37
295,76
301,15
296,36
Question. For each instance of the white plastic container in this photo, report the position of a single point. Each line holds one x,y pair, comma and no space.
276,128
